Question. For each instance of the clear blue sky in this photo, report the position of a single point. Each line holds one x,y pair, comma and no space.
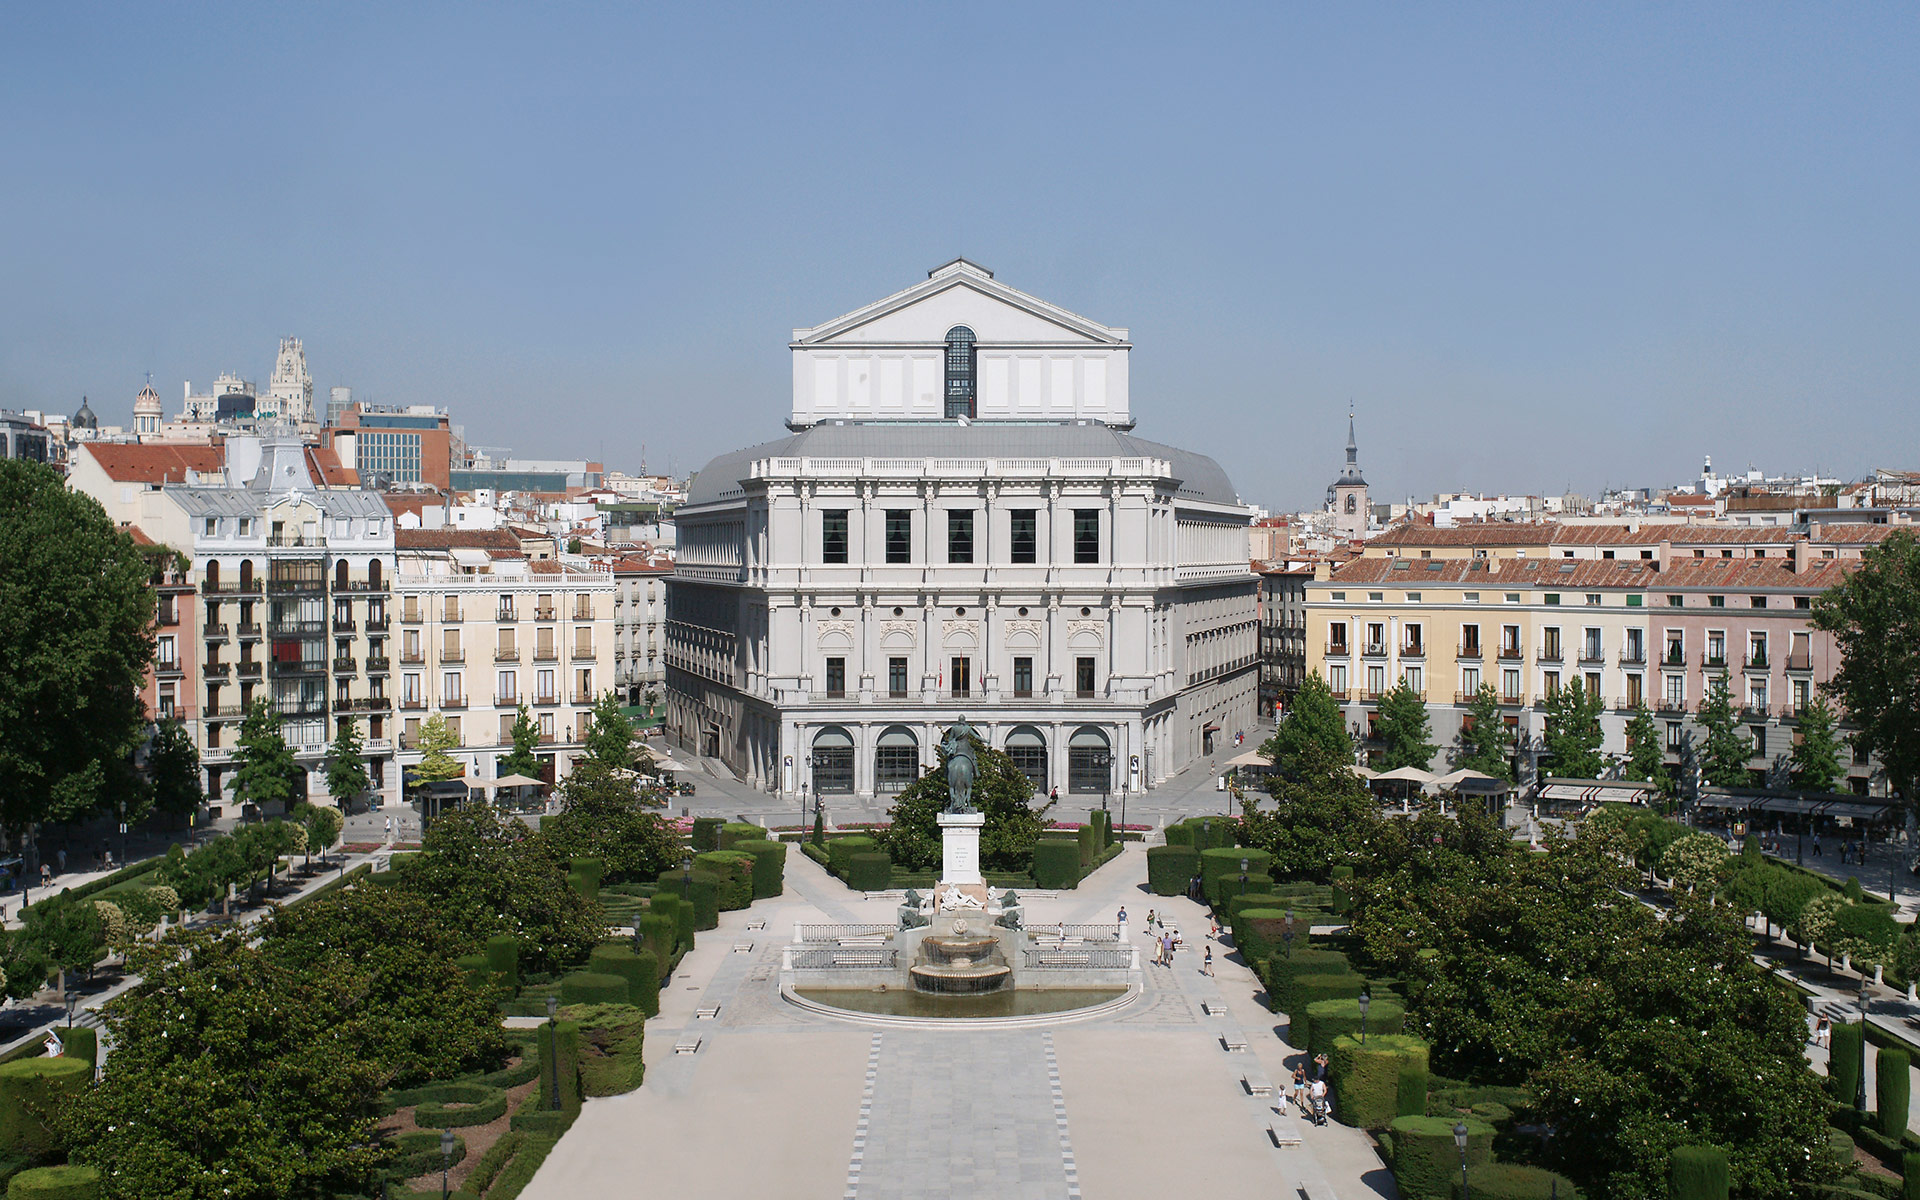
1539,247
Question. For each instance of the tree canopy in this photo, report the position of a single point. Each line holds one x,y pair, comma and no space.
74,649
173,767
1311,742
1000,792
1404,730
601,816
264,770
1724,750
1646,758
1874,616
1572,734
523,759
346,770
1816,756
437,742
1484,743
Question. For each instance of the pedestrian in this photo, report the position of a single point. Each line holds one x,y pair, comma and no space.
1166,942
1206,964
1152,920
61,854
1053,796
1299,1093
1816,846
1317,1101
389,828
1123,924
1320,1067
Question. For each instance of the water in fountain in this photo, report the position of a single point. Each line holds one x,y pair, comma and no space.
960,964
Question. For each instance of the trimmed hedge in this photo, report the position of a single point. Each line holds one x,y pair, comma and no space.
1846,1060
1425,1160
511,1076
1220,872
1330,1019
1342,877
703,895
1301,992
655,932
418,1152
769,866
477,1105
611,1044
503,958
1892,1087
734,832
1700,1173
840,851
869,871
1056,864
83,1043
1090,847
734,870
520,1169
1512,1181
584,877
1170,868
683,920
1204,833
1366,1080
706,833
588,987
560,1060
669,907
474,967
488,1168
1262,932
31,1090
641,971
70,1182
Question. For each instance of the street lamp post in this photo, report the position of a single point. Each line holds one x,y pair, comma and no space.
446,1159
1865,1001
553,1052
1286,933
1460,1140
686,876
1366,1002
70,999
1243,877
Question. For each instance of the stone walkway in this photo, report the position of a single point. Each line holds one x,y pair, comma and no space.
1146,1102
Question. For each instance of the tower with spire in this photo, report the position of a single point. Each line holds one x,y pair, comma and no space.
1347,495
147,412
290,390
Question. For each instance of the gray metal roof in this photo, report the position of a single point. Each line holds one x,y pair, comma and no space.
1200,477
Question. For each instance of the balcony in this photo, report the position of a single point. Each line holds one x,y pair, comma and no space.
506,702
1511,701
1756,662
1337,649
415,703
343,623
506,615
214,633
248,630
378,623
507,654
169,666
543,614
362,585
582,653
362,704
1375,650
1550,654
249,668
343,666
453,702
296,541
1511,654
379,664
412,656
1414,650
296,628
250,587
1674,657
378,745
1633,658
1592,656
1370,697
452,616
1670,706
226,711
412,616
297,587
584,698
583,613
1800,662
546,654
453,655
545,700
216,670
1469,651
1752,711
169,617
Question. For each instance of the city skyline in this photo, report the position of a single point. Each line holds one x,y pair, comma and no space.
1480,229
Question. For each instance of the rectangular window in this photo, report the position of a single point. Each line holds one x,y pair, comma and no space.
1023,677
164,653
959,535
1337,636
1803,601
1376,638
1470,680
1551,598
1759,740
1756,601
1550,682
962,676
212,527
1414,679
1083,677
1635,695
1716,601
1470,639
1510,686
1415,644
506,688
899,535
1086,535
1550,645
1593,685
1376,682
450,692
1674,741
1337,681
1026,535
1471,597
1590,649
1676,601
833,536
836,677
1593,599
1676,692
543,681
897,677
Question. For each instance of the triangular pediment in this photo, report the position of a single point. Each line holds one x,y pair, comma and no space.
960,293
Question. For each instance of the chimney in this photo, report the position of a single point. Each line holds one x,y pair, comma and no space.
1797,551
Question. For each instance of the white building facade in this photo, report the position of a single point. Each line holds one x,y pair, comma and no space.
961,524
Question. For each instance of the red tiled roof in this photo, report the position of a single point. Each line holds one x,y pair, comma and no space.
325,467
161,462
1574,574
447,539
1480,533
1855,533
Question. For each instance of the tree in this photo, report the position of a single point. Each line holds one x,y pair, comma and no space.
601,816
1646,759
1816,756
1312,742
1403,727
1572,735
346,770
437,741
265,1091
322,826
173,766
1484,743
264,770
1696,861
1000,792
1874,616
1314,824
74,649
1724,750
526,740
609,737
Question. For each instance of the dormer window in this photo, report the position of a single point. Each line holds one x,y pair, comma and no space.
960,373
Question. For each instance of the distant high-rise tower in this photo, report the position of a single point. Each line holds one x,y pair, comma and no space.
147,412
290,391
1347,495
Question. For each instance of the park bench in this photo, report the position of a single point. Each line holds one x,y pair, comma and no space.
1284,1139
1233,1041
1254,1088
686,1046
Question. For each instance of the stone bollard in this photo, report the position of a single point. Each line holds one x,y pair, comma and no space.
1913,993
1879,974
1846,962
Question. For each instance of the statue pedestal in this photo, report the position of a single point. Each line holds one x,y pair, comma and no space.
960,848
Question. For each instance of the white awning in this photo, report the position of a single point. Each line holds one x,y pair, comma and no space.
469,556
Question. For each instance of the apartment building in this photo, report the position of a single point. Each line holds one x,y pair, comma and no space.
1632,631
639,618
484,628
1282,606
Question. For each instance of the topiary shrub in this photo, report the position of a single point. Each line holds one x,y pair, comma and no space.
417,1152
1262,932
584,877
1410,1088
734,832
683,917
706,833
503,958
612,1038
1512,1181
588,987
769,866
668,907
1330,1019
465,1104
734,870
1056,864
1220,873
1366,1079
474,967
82,1043
1342,877
1171,867
1089,840
1910,1174
701,890
1268,899
655,932
1846,1060
1293,992
870,871
1426,1162
640,969
32,1090
559,1064
840,851
1700,1173
1182,835
1892,1087
70,1182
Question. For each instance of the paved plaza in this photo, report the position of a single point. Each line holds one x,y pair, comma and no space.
1144,1102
